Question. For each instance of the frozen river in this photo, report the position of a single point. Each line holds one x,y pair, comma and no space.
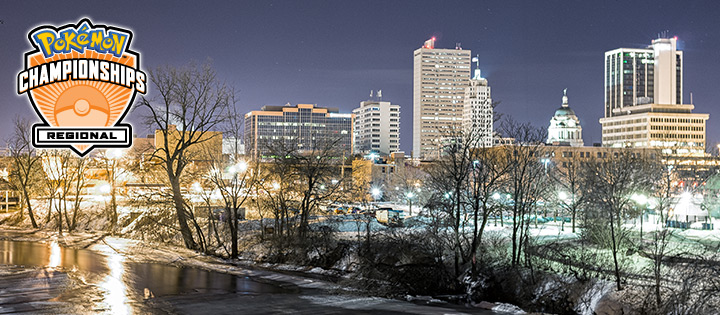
46,278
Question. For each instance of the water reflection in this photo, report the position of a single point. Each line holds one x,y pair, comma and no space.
115,293
55,258
118,286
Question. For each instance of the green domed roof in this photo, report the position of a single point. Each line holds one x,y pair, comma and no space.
564,111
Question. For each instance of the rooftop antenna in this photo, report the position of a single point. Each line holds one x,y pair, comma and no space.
371,94
379,95
691,98
476,73
458,46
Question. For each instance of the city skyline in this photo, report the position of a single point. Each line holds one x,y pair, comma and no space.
330,57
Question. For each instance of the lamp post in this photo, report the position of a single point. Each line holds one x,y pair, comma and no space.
410,196
563,196
545,161
496,196
640,200
376,193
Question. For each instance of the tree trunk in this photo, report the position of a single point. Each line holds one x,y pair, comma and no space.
29,207
614,251
234,232
182,216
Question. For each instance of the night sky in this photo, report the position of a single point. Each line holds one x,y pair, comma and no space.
332,53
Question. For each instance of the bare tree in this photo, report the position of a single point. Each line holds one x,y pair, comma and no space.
569,192
58,177
111,162
487,175
235,179
527,178
26,164
313,174
611,182
188,105
75,184
447,179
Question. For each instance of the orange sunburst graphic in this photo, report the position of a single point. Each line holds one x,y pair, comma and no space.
112,99
82,79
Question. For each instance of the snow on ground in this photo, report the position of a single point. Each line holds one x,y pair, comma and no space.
588,303
508,309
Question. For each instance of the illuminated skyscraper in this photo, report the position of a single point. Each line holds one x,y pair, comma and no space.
636,76
304,128
377,127
440,77
644,103
478,110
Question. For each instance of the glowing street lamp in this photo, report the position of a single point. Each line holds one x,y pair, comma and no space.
410,196
641,200
105,188
562,195
376,193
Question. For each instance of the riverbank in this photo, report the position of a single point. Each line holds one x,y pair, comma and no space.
313,290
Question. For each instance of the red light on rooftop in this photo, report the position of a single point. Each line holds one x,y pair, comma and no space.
433,38
675,37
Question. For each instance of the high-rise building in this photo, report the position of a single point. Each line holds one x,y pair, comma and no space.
440,77
643,101
377,127
478,110
304,128
632,75
565,129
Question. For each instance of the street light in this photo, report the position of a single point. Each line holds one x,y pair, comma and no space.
641,200
410,196
545,161
376,193
562,195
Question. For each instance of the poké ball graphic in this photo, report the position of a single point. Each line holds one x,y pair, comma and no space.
82,106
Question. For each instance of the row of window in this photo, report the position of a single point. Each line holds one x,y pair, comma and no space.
679,128
677,120
676,136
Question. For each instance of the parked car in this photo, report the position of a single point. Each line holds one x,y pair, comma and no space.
389,216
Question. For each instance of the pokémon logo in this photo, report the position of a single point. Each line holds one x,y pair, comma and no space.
81,80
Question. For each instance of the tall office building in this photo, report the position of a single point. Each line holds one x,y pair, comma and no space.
643,101
477,109
440,77
377,127
642,76
304,128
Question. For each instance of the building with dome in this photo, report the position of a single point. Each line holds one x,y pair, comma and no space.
565,129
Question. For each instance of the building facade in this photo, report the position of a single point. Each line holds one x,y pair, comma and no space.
303,128
635,76
672,127
377,128
478,110
565,129
440,77
208,148
643,101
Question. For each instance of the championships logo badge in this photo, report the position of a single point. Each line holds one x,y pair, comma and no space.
81,79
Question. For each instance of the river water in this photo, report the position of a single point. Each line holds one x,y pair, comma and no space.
46,278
